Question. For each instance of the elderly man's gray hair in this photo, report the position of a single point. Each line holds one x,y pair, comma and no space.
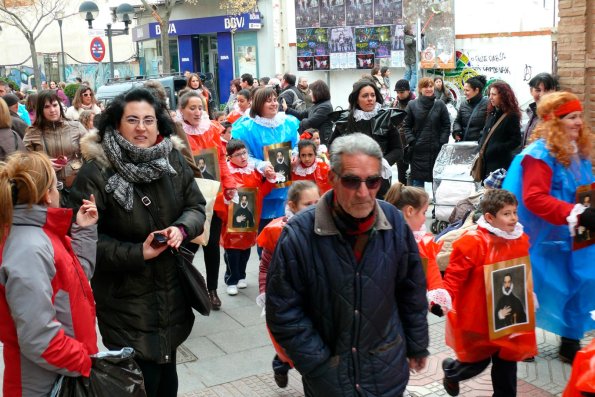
356,143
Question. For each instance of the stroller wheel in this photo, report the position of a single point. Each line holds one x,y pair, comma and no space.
434,227
441,226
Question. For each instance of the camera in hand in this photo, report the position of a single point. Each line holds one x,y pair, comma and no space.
159,240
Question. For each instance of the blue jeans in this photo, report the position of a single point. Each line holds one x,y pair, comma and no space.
236,261
411,76
418,183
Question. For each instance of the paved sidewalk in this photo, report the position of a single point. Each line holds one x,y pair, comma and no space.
229,354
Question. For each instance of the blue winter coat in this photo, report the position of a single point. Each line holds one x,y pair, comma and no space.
348,327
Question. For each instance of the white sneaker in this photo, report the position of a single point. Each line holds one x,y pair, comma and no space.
232,290
242,283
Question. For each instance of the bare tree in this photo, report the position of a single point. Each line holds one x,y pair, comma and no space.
162,13
31,17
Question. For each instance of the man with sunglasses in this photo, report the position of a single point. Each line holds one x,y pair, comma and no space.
346,290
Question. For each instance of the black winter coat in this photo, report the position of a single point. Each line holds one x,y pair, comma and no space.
139,303
501,147
427,142
316,117
348,326
383,128
478,122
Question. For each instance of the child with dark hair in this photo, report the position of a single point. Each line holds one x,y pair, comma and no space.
237,244
413,203
498,237
309,167
314,135
300,195
225,134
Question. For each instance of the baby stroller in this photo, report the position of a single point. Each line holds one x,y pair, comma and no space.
452,180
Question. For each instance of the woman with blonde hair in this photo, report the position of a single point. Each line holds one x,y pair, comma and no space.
546,176
10,141
47,309
84,99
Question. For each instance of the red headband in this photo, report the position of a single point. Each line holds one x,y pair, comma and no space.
564,109
306,135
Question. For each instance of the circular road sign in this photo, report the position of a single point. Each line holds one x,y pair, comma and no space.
97,49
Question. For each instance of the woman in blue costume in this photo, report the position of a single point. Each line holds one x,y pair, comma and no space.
266,131
546,175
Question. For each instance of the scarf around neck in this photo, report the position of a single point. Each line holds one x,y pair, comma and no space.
134,165
359,114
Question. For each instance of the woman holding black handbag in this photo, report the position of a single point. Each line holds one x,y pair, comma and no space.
137,288
427,126
502,132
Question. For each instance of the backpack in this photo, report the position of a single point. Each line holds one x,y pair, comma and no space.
298,104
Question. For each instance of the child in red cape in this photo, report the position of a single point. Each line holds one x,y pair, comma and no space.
300,195
498,237
237,244
582,379
414,202
309,167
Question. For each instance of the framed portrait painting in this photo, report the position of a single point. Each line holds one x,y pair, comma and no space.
208,163
509,297
279,155
243,216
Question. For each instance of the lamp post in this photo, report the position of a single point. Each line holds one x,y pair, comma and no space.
88,10
60,17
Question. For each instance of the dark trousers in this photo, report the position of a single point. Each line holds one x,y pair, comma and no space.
161,380
236,261
212,254
503,374
402,167
263,222
418,183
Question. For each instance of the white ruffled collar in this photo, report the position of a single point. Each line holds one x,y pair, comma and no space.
288,212
270,123
247,170
517,233
203,126
304,171
359,114
419,234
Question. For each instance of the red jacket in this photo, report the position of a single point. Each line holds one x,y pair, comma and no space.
243,177
428,249
317,172
582,379
467,324
47,310
267,240
211,138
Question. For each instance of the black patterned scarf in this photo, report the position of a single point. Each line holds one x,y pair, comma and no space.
134,164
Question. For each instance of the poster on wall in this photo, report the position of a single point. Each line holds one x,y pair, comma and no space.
246,57
342,60
438,46
332,13
307,14
341,44
388,12
322,62
359,12
312,42
365,61
375,40
305,63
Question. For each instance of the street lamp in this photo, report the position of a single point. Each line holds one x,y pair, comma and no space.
60,17
88,10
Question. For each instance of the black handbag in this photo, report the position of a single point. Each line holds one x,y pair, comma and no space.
192,282
409,149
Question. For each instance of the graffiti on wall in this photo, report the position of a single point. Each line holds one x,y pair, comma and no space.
23,76
512,59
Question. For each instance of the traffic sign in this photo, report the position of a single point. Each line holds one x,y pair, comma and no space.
97,49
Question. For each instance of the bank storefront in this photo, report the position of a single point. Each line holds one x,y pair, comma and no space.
217,46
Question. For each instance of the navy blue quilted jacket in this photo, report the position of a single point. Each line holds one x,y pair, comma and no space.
348,327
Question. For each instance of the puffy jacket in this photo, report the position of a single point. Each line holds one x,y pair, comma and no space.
427,142
383,128
501,147
348,327
315,117
140,303
477,123
47,311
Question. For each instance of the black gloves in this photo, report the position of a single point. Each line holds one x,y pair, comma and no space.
587,219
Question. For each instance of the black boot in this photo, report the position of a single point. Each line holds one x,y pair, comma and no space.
568,349
215,301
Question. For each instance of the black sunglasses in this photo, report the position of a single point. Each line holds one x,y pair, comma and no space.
354,182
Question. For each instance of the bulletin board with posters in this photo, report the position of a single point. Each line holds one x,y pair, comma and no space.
358,32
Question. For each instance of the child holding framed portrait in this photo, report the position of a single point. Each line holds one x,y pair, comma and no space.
489,280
